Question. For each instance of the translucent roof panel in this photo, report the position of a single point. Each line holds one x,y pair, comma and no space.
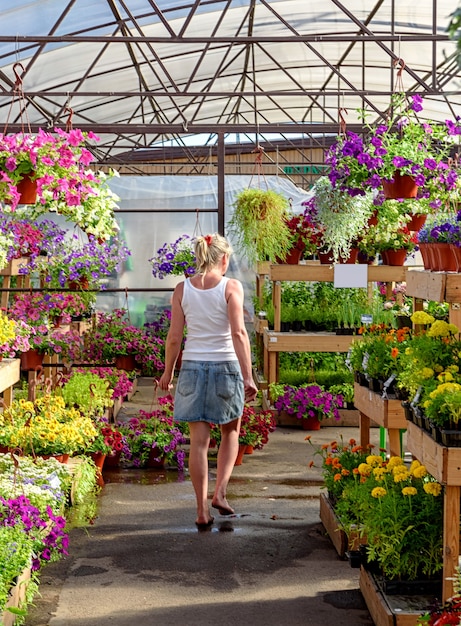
139,72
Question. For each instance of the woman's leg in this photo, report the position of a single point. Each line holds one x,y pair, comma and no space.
198,467
227,454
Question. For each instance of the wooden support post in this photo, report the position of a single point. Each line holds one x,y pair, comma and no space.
364,429
451,512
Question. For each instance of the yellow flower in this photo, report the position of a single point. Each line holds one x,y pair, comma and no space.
432,488
394,461
378,492
379,472
364,469
427,373
420,472
401,476
409,491
439,329
421,317
374,460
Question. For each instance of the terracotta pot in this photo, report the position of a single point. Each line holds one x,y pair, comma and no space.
394,257
425,255
324,258
155,461
125,362
446,259
79,285
27,189
456,252
310,423
99,459
293,257
403,186
112,460
352,258
249,449
416,222
240,454
31,360
373,219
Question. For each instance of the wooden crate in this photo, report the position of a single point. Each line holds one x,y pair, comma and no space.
390,610
441,462
339,538
387,413
17,597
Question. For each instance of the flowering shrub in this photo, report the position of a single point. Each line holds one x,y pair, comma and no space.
309,400
175,258
154,431
420,149
380,350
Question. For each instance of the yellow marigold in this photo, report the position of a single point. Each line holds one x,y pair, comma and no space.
453,329
439,329
420,472
374,460
426,373
432,488
446,377
364,469
409,491
401,476
438,368
421,317
445,388
379,472
378,492
394,461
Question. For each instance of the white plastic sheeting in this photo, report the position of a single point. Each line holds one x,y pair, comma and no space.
155,210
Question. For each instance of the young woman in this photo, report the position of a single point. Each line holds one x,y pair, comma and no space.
215,378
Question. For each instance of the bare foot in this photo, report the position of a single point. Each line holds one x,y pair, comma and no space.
223,507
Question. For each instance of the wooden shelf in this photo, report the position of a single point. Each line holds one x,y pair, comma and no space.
437,286
325,273
386,413
307,342
10,373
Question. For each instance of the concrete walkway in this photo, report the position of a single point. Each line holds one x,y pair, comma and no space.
144,562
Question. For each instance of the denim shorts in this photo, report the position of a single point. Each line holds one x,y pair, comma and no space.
209,391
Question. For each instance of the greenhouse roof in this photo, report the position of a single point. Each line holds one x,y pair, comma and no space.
143,73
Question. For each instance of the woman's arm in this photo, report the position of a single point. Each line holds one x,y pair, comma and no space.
174,338
234,297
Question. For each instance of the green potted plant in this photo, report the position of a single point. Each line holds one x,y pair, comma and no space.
342,218
88,392
259,226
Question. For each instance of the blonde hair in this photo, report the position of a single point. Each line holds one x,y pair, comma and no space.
209,250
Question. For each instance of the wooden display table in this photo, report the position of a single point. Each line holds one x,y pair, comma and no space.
12,269
386,413
444,464
10,374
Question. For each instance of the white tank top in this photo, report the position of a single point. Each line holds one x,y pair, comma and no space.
208,329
